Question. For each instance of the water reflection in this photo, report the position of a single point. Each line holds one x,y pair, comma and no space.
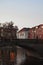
21,56
17,56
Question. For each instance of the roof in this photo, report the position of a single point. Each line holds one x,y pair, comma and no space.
40,25
24,29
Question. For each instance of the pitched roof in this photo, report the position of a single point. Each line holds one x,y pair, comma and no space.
24,29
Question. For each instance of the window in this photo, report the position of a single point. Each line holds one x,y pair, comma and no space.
21,34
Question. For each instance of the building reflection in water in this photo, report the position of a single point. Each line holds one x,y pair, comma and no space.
12,55
8,55
20,55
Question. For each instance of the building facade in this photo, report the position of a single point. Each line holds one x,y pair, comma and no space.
36,32
23,33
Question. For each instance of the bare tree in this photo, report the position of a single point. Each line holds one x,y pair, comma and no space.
9,30
16,27
0,24
10,24
5,25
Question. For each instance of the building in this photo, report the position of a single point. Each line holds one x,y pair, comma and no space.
23,33
33,33
40,31
36,32
21,53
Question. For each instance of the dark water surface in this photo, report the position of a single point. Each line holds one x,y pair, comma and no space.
23,59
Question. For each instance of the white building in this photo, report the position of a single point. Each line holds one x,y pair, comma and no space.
23,33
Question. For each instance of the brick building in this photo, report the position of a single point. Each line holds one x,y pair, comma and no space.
33,33
36,32
40,31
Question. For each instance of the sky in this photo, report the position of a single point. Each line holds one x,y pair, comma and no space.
24,13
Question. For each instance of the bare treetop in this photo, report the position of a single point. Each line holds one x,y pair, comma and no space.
8,25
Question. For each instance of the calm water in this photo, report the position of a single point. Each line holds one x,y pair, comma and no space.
20,55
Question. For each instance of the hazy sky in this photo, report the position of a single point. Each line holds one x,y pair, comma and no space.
24,13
